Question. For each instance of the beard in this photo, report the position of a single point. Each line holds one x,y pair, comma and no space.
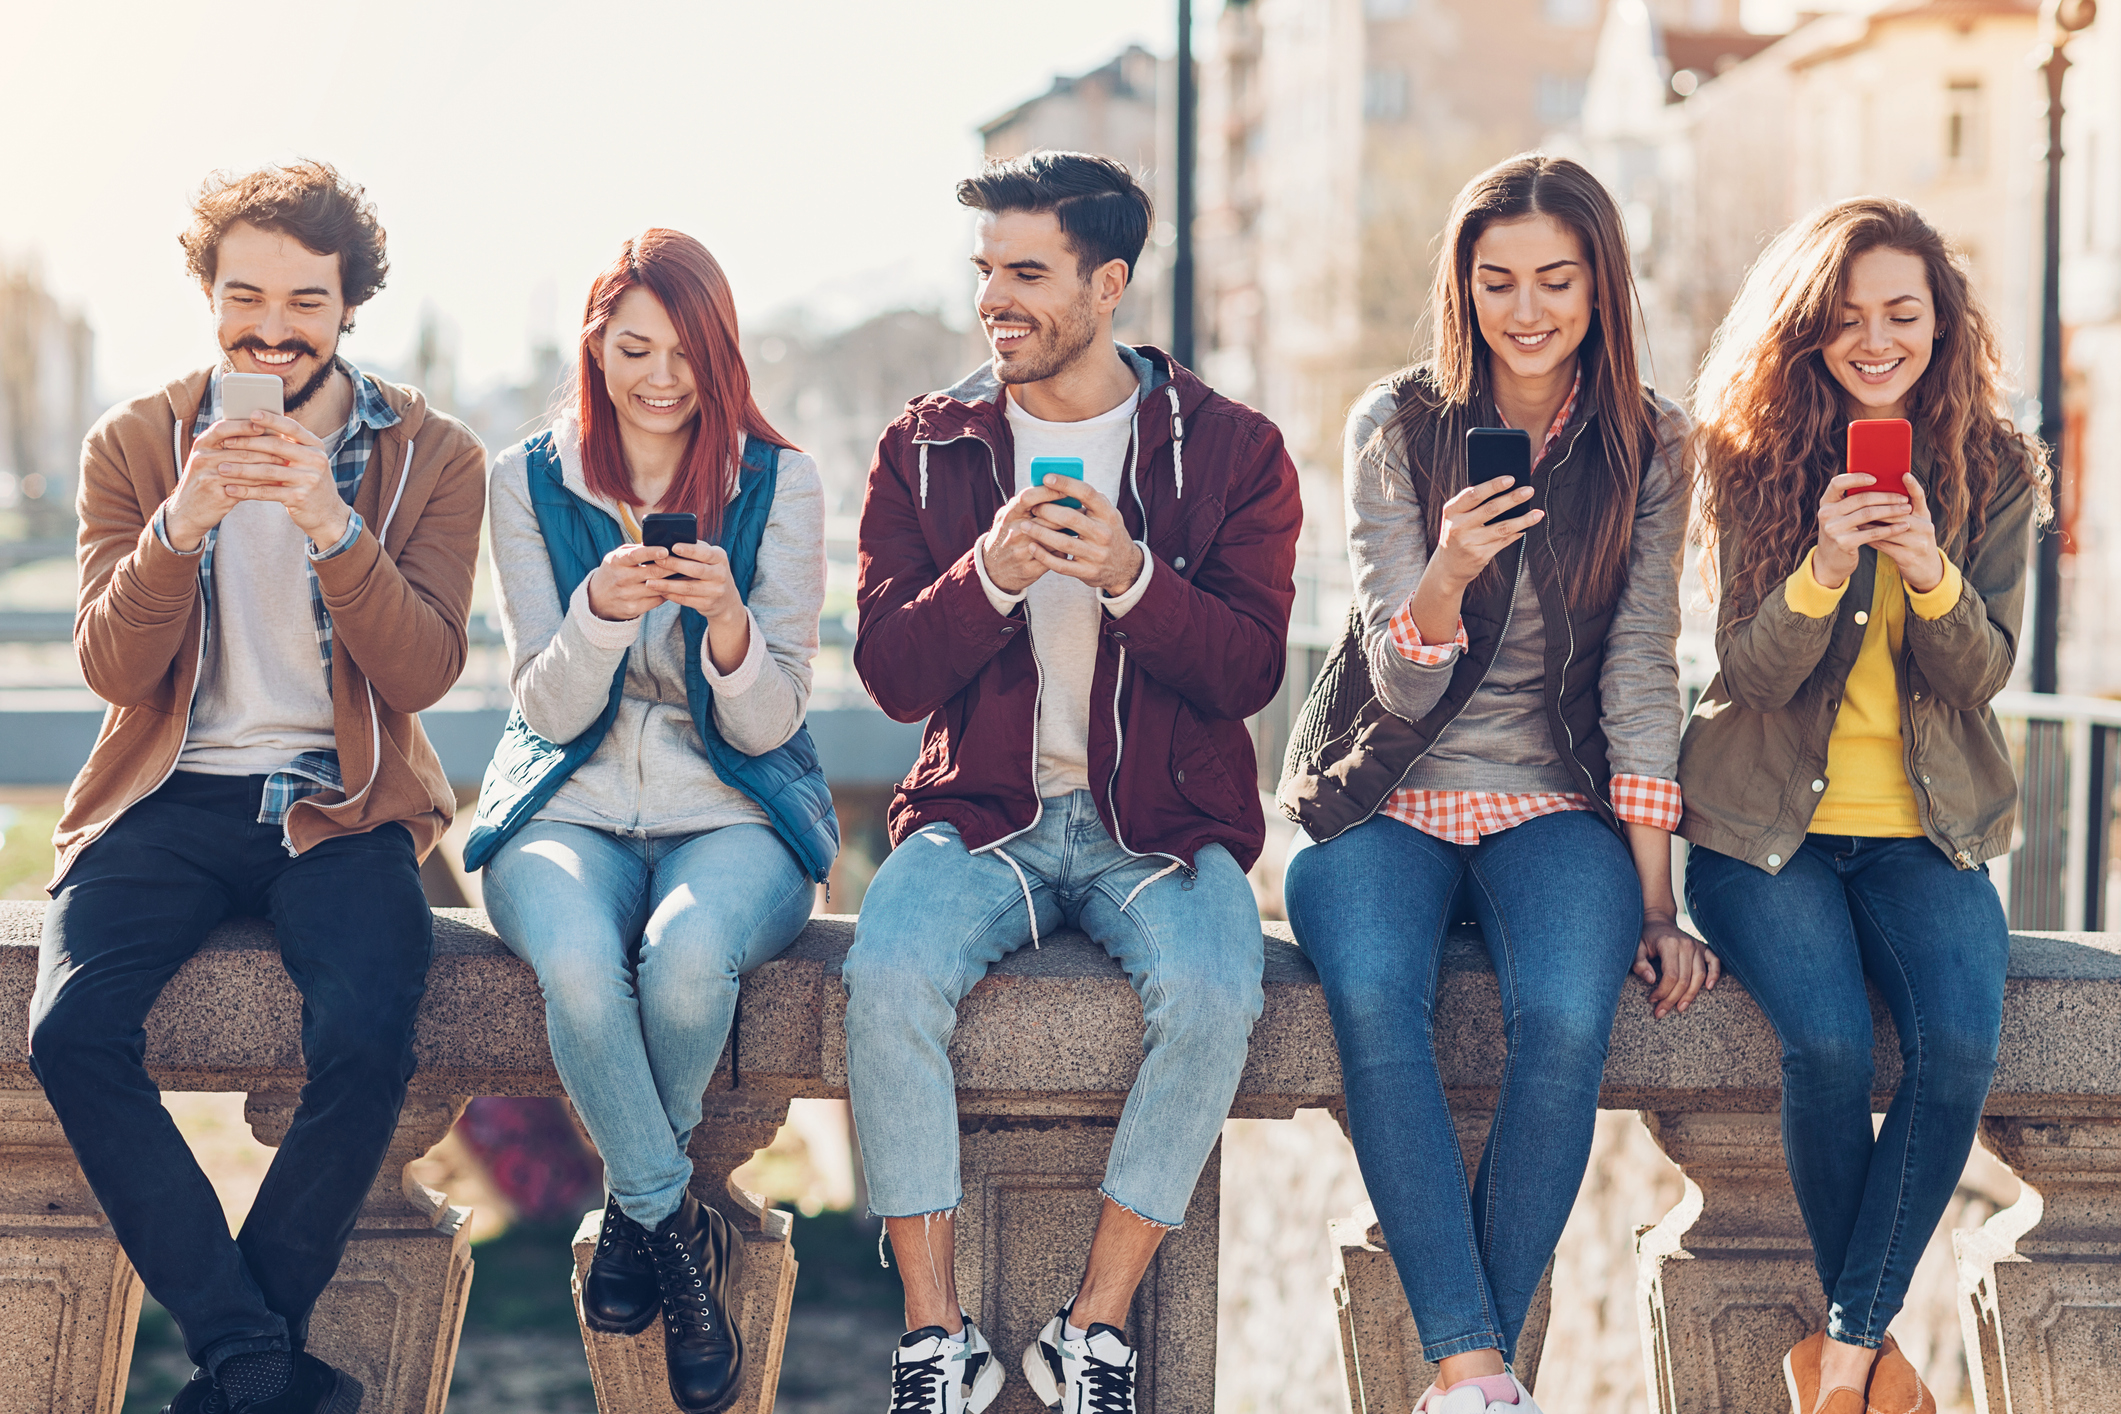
1051,350
292,402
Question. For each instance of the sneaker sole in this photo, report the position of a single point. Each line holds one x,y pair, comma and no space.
986,1387
1040,1378
1789,1378
605,1328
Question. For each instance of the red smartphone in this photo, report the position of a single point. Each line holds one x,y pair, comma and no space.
1882,448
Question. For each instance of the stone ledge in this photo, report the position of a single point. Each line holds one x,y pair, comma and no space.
1057,1029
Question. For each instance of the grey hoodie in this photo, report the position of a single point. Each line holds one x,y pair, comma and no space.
1501,741
650,776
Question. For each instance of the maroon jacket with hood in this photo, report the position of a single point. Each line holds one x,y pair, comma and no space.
1212,493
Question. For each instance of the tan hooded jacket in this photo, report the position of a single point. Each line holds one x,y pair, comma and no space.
398,599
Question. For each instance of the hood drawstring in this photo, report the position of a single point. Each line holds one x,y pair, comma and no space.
924,476
1030,904
1178,441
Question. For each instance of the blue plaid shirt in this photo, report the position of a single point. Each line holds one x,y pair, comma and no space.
312,771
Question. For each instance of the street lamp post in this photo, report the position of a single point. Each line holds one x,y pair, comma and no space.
2059,20
1182,218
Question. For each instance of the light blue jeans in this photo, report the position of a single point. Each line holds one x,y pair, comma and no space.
638,945
937,916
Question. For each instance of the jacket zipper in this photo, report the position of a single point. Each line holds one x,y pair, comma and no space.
1569,623
1119,681
1038,670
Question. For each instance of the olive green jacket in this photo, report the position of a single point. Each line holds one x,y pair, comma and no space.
1752,764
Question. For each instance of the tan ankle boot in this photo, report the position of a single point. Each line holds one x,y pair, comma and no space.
1895,1387
1800,1371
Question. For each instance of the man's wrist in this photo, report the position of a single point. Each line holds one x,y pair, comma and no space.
1134,573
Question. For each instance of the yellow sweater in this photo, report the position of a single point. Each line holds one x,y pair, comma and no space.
1867,789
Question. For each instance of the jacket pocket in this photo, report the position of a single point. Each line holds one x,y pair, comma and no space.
1198,769
1183,542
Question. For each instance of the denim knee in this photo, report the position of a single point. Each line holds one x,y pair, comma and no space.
1827,1062
70,1042
1956,1061
1561,1039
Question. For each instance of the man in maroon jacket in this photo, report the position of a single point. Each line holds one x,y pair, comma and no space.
1076,565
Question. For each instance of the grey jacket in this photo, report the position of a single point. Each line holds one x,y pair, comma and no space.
1501,741
651,776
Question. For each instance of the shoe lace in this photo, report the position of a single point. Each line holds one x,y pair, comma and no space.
684,1287
914,1384
1110,1387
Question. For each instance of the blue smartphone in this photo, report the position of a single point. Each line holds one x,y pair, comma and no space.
1043,467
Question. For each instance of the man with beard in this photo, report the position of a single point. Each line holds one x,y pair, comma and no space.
1085,651
266,603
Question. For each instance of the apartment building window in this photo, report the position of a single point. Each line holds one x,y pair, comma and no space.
1560,98
1384,95
1571,14
1387,9
1965,127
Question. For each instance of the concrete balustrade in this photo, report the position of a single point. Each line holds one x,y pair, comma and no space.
1045,1051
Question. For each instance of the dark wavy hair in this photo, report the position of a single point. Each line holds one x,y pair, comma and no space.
1451,389
1771,419
690,285
1102,210
308,201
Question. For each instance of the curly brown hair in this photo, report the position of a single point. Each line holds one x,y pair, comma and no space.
1770,418
306,200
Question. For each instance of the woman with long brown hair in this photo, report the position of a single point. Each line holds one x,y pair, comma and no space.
1844,776
1498,734
655,818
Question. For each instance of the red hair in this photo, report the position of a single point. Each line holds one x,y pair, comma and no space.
694,292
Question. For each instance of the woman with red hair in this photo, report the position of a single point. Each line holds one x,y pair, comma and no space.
655,818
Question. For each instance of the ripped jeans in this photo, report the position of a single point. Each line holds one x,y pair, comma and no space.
937,916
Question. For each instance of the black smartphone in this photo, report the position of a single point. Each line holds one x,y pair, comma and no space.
670,529
1499,451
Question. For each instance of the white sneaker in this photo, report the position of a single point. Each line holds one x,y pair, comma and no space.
1467,1399
935,1373
1091,1375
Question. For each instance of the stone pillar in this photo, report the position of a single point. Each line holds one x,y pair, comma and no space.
1379,1344
69,1299
1023,1235
1725,1284
628,1371
2042,1278
392,1315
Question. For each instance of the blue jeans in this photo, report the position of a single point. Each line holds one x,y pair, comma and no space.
1933,939
355,935
638,945
1560,906
937,916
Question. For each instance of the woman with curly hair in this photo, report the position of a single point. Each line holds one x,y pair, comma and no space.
1844,778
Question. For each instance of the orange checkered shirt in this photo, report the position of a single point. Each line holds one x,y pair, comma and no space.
1463,816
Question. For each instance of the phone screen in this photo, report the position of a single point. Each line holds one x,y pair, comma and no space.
1883,448
1499,451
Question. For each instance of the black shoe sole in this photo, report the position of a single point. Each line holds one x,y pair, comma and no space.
605,1328
345,1396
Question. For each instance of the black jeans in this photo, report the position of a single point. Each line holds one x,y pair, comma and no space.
355,935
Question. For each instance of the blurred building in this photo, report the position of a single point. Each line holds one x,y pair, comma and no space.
47,403
2090,660
1334,134
1125,109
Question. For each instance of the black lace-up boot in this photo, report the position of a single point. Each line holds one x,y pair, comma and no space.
620,1295
696,1255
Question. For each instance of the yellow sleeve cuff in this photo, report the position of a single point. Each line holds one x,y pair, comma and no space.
1939,601
1807,596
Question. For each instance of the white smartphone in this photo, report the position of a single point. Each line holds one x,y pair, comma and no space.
245,393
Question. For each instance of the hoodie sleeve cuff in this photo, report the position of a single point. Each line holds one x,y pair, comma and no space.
607,634
738,680
1117,606
162,534
1944,598
1807,596
1003,604
343,543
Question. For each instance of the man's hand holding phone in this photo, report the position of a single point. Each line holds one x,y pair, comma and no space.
288,465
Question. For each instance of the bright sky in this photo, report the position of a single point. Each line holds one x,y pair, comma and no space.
811,144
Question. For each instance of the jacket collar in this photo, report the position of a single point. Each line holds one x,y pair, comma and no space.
971,407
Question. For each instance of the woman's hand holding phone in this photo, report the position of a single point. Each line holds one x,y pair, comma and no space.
623,586
1479,523
1851,517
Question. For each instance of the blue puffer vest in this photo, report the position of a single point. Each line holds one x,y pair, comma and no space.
527,770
